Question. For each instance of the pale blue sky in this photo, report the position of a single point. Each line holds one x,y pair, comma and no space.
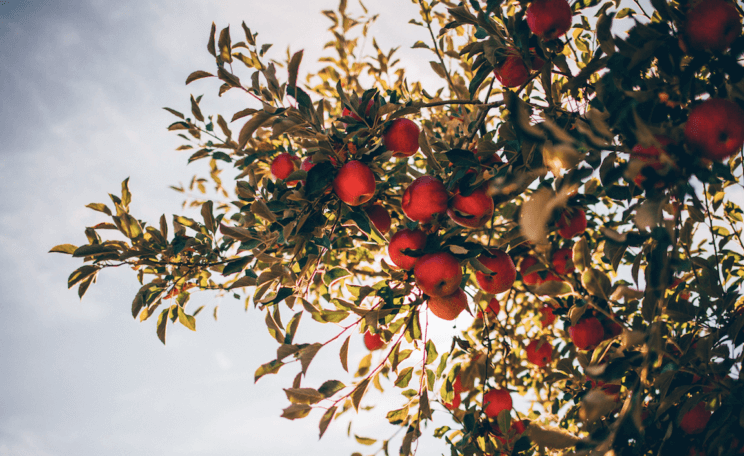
82,85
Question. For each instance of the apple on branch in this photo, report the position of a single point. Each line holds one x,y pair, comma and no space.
401,138
425,199
355,183
402,240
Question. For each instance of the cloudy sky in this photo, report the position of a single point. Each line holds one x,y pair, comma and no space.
82,84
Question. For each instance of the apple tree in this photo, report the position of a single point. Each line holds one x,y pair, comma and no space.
570,196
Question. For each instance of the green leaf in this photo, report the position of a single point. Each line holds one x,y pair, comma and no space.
404,377
365,440
331,387
358,394
80,274
344,354
431,352
186,320
126,196
94,250
296,411
64,248
303,395
271,367
335,274
319,178
397,416
307,355
100,207
208,216
236,265
326,419
162,322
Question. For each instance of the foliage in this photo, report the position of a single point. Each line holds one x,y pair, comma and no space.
563,139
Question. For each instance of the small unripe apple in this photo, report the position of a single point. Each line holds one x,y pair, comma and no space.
712,25
548,317
471,211
539,353
512,72
405,239
424,199
532,278
696,419
503,275
438,274
495,401
373,341
549,19
355,183
587,333
563,261
284,165
380,217
715,128
449,307
493,308
401,138
572,223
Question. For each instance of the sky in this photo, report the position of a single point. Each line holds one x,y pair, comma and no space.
82,84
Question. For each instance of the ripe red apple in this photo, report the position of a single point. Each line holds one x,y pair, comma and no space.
424,199
455,404
401,137
548,317
563,261
449,307
471,211
503,274
715,128
531,278
284,165
549,19
406,239
373,341
438,274
587,333
572,223
512,72
355,183
713,25
696,419
539,353
457,385
496,401
493,308
651,153
307,164
347,112
380,217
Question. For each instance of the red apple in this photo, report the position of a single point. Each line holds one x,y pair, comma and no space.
406,239
493,308
380,217
284,165
539,353
549,19
401,138
650,153
471,211
449,307
455,404
495,401
503,274
307,165
531,278
712,25
572,223
563,261
355,183
684,294
347,112
373,341
424,199
715,128
457,385
512,72
537,61
696,419
438,274
548,317
587,333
